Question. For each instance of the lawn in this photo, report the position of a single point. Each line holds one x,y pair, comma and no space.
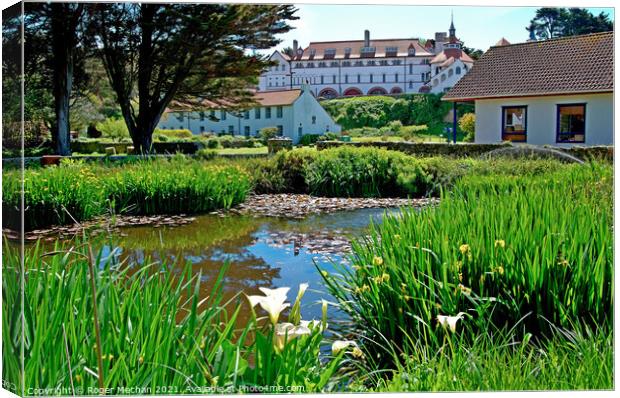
243,151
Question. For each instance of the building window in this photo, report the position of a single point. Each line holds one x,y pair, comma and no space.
310,65
458,70
268,112
246,114
280,130
384,78
371,79
257,113
222,115
346,78
212,115
514,123
322,64
313,119
202,129
300,131
410,84
334,79
359,78
571,124
347,52
283,67
383,62
396,62
246,131
411,52
322,80
346,63
396,78
279,112
410,69
231,129
450,72
370,63
202,116
443,78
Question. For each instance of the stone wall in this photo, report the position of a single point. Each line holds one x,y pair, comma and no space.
467,149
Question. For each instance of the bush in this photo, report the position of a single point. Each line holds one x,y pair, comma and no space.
309,139
93,132
267,133
206,154
114,129
467,124
175,135
329,136
213,143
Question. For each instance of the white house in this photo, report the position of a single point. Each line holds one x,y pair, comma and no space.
366,67
552,92
293,112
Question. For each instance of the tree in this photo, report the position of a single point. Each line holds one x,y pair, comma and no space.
154,53
474,53
55,47
549,23
467,124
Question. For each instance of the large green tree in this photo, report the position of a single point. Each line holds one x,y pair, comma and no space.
154,53
550,22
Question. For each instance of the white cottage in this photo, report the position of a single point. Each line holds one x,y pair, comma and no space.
552,92
293,112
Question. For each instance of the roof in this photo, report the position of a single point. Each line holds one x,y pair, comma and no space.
356,45
263,98
577,64
448,53
502,42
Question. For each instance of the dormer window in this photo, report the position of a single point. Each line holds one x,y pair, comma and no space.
312,53
329,53
391,51
347,52
366,52
411,52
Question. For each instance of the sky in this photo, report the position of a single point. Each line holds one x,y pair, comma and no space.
478,27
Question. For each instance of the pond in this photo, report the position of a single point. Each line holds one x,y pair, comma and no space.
262,251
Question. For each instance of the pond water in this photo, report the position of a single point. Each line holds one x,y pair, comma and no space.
262,251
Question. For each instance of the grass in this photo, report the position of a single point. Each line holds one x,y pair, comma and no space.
80,191
524,253
155,330
243,151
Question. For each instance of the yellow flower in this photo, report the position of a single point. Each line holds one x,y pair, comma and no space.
385,277
78,378
464,248
500,270
500,243
110,357
377,261
141,360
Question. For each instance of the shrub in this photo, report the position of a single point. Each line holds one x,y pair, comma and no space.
175,135
395,126
467,123
206,154
213,143
309,139
115,129
329,136
267,133
93,132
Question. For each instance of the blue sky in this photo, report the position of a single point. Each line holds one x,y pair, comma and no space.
479,27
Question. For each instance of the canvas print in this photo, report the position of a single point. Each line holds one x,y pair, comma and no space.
206,198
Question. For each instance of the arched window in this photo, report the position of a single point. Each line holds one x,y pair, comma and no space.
458,70
443,78
435,82
450,72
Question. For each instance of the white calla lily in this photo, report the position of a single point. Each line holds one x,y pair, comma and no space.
285,332
340,345
312,324
279,292
450,321
273,305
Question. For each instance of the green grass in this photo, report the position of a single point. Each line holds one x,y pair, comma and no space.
155,330
243,151
533,251
80,191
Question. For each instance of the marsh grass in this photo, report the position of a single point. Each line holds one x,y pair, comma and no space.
533,251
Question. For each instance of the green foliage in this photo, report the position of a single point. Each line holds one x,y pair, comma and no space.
206,154
112,128
310,139
267,133
525,250
151,320
551,22
182,134
80,191
467,124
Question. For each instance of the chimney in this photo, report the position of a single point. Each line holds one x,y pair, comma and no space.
366,38
295,47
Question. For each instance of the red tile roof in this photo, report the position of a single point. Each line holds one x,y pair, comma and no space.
263,98
451,53
502,42
578,64
356,45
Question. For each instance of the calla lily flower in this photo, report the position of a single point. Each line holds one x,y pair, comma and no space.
340,345
313,324
279,292
273,305
449,321
285,332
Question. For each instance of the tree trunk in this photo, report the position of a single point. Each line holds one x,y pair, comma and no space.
62,46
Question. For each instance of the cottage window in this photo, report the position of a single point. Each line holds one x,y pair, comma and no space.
571,123
279,112
514,123
280,130
313,119
231,129
246,114
411,52
202,116
212,115
268,112
246,131
257,113
223,115
202,129
458,70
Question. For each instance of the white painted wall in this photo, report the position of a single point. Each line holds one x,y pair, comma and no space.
542,118
448,77
299,114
